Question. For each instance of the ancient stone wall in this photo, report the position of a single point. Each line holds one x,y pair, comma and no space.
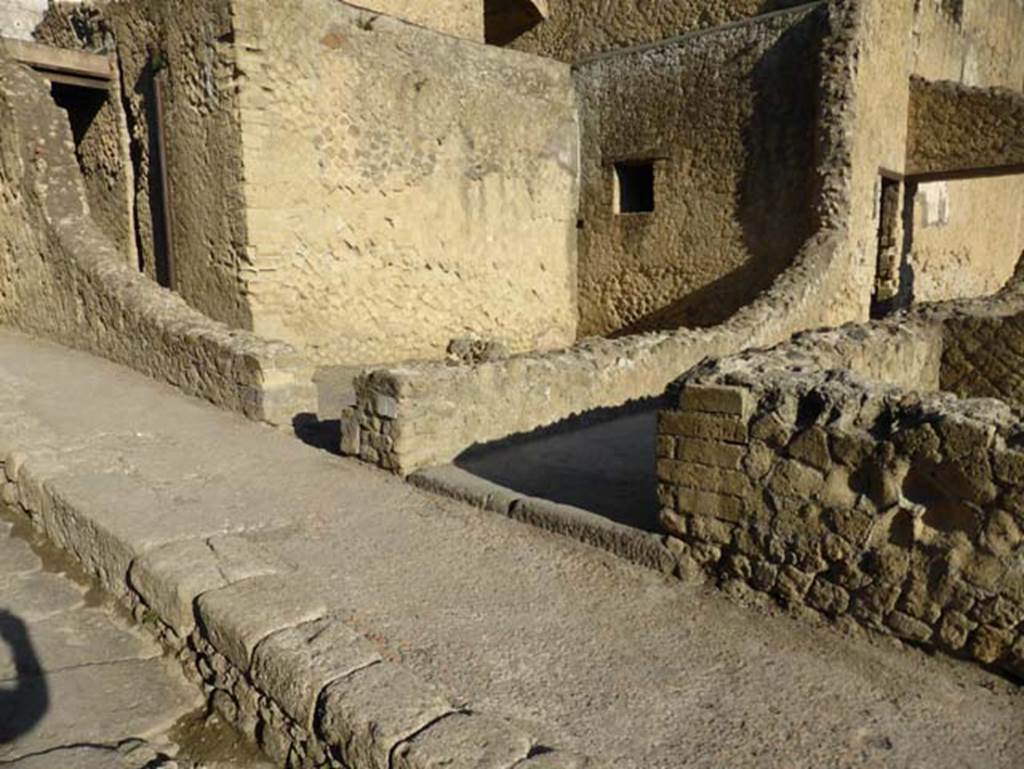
403,188
954,127
733,160
577,28
182,56
896,509
413,416
983,354
61,277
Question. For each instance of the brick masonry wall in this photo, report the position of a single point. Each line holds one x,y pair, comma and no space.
895,510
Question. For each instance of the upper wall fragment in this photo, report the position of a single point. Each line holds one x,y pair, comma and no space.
958,128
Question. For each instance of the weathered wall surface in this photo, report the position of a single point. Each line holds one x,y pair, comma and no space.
185,50
980,48
734,156
102,143
983,353
968,236
954,127
19,17
62,278
403,188
577,28
462,18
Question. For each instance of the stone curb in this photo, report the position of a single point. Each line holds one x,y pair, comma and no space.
273,661
640,547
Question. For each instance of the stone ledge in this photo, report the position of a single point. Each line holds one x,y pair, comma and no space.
640,547
308,688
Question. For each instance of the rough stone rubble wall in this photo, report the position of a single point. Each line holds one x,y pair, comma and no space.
404,188
734,158
954,127
893,507
293,677
577,28
60,277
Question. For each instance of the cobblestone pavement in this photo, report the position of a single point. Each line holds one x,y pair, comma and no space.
80,687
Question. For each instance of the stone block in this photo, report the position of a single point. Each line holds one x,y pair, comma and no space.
665,447
811,448
791,584
351,433
710,530
759,461
793,479
988,643
771,430
728,456
464,739
236,618
704,478
712,427
293,665
908,627
707,503
364,716
954,630
717,399
170,578
827,597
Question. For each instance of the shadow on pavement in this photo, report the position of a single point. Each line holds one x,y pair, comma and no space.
24,699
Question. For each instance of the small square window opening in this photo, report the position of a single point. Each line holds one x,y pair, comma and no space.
634,187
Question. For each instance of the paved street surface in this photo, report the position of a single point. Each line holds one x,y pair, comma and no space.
585,651
79,687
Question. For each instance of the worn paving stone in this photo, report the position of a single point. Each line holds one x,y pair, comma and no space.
464,740
137,698
132,755
295,664
239,616
84,636
365,715
38,596
16,559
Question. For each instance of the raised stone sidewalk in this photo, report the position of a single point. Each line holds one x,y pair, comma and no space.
341,616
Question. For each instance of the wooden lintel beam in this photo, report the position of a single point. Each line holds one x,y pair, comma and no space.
60,61
966,173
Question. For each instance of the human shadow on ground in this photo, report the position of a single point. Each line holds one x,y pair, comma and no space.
24,699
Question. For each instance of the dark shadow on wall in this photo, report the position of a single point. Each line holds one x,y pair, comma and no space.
777,197
25,699
602,461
